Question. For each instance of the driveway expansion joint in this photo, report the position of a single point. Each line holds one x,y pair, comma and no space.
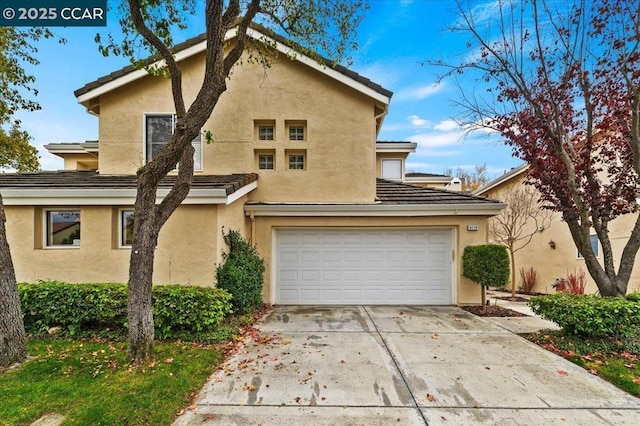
395,362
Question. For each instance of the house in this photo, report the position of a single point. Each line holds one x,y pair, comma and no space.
552,252
294,166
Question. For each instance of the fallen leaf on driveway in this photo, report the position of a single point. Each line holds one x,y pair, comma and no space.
192,406
430,397
563,373
434,336
181,412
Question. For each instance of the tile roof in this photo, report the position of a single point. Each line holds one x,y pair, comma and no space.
92,179
400,193
202,37
420,174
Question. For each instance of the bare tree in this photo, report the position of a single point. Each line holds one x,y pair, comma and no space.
519,222
327,25
471,180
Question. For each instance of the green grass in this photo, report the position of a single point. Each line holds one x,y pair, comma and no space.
90,382
615,360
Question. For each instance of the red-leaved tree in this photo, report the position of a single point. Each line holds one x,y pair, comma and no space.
563,86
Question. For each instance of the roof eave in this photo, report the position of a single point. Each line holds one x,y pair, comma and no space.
396,147
86,97
502,179
16,196
377,209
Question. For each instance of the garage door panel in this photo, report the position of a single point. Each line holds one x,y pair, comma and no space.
354,266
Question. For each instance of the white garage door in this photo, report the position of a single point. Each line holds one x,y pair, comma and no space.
363,266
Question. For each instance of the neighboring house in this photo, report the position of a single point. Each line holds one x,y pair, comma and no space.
552,252
294,168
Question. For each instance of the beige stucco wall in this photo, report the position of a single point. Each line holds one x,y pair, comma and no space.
340,130
554,263
186,252
231,217
467,292
80,161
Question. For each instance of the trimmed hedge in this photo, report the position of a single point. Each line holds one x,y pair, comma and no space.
242,273
101,309
486,264
589,315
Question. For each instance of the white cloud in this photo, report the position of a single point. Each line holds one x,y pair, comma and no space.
419,122
446,125
436,140
422,92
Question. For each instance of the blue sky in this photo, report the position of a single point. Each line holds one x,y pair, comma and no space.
394,39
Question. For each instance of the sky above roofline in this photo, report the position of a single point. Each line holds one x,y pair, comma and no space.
395,39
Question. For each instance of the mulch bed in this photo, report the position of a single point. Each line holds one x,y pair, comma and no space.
513,299
492,311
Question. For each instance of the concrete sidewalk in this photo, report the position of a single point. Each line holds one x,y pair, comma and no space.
529,324
365,365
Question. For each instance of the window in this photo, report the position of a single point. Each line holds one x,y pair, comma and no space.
296,162
392,169
296,129
158,131
296,133
265,162
594,246
63,228
126,228
265,133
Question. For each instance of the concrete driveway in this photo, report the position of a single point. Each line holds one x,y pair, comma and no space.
381,365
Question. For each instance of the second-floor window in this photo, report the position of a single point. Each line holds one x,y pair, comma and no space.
265,162
158,131
296,162
296,133
392,169
265,133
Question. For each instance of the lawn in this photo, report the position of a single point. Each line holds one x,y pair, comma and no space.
90,382
616,361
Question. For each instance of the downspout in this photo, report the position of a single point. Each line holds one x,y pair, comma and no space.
252,218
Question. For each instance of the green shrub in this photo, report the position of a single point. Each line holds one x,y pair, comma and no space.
487,264
635,296
179,309
589,315
185,312
242,273
73,307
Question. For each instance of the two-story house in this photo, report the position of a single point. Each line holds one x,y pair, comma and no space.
294,166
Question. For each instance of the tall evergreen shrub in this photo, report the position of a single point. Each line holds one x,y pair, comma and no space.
242,273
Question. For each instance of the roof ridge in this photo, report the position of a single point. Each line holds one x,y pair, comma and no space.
269,33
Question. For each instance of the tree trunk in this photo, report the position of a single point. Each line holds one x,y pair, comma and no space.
13,340
513,273
147,222
139,307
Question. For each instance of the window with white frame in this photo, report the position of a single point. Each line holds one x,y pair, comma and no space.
265,132
158,131
62,228
392,169
595,246
126,228
296,133
265,162
296,162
